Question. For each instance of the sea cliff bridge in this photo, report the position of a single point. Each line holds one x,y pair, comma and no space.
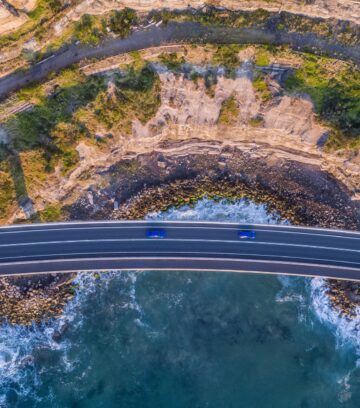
199,246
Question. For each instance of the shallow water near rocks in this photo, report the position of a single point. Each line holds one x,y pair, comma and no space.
187,339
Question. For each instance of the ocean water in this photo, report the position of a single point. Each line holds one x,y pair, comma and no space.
187,340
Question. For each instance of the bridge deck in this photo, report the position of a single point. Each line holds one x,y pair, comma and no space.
69,247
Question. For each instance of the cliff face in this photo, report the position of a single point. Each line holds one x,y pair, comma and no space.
193,118
186,104
339,9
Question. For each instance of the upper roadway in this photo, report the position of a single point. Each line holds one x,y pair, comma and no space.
174,33
210,246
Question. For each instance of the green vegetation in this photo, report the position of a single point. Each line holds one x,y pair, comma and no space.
55,5
89,29
336,96
52,213
122,21
71,111
33,128
50,126
256,122
7,188
297,22
229,112
57,122
171,60
136,95
261,87
342,31
213,16
262,57
43,12
227,55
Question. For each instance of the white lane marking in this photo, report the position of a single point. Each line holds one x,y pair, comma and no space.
183,228
167,252
149,224
239,242
192,259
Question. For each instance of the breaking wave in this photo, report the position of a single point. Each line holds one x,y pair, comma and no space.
242,211
347,330
21,347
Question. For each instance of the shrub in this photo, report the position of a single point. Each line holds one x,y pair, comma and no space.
122,21
227,55
229,111
171,60
336,98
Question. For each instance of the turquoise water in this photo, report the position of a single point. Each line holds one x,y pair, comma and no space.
181,339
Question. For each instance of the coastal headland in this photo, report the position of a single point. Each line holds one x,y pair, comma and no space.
133,112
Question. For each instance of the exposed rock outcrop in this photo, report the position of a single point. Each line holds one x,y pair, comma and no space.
286,130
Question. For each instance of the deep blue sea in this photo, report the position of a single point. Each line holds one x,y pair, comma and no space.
187,340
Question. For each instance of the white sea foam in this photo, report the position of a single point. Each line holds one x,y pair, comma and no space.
18,343
347,331
242,211
345,393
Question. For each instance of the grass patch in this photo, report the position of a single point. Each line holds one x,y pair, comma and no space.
33,93
90,29
7,188
121,22
336,95
51,126
171,60
34,168
262,57
227,55
136,95
52,213
256,122
229,112
342,31
261,87
33,129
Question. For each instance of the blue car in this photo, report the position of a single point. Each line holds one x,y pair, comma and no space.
247,234
156,233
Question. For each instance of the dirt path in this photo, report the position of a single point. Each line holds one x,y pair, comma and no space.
174,33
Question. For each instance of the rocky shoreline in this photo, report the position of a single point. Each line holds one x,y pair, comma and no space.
145,183
301,193
344,296
172,176
34,299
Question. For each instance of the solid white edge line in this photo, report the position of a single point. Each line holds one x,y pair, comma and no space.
191,227
162,258
239,260
149,222
205,270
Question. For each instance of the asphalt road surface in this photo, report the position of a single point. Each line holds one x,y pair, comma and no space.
90,246
174,33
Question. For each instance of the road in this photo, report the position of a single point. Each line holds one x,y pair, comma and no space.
174,33
90,246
